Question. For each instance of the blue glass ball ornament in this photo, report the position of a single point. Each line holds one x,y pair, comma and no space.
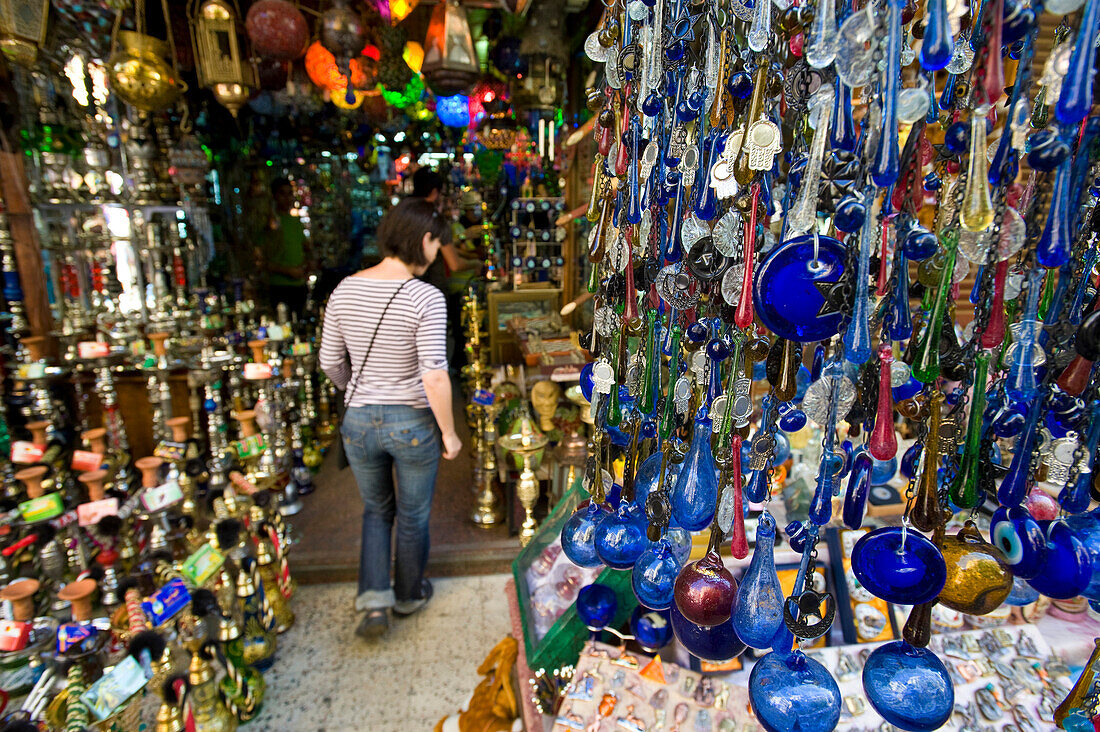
1020,539
680,541
899,566
717,644
883,471
1067,570
1087,528
782,451
907,390
651,106
932,182
957,137
920,243
453,111
697,332
210,406
621,537
654,575
910,460
908,686
717,349
850,213
788,288
578,534
1046,151
586,382
1018,19
792,420
791,692
1009,421
652,629
596,606
648,477
739,85
1022,593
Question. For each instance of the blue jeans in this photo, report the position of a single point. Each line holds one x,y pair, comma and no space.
381,441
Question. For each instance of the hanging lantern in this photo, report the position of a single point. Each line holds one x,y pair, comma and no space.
406,97
450,63
217,50
277,29
453,111
140,75
22,29
413,54
345,99
323,71
499,129
343,32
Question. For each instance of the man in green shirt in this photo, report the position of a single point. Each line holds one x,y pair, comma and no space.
286,253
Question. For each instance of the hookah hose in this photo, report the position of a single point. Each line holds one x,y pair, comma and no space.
77,715
135,616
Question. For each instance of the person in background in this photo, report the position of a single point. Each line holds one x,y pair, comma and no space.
286,253
391,327
444,271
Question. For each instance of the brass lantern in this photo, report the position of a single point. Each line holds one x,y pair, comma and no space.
221,67
450,63
22,29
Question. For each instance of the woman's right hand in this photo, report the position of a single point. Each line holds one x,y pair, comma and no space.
452,445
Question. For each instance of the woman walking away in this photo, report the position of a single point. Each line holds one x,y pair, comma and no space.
384,343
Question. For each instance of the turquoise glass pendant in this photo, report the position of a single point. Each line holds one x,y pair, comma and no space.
790,692
758,614
908,686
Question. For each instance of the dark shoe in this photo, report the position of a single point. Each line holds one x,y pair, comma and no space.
405,608
374,624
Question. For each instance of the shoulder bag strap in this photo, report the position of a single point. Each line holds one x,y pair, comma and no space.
363,363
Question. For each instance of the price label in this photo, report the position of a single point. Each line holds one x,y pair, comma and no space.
90,513
25,453
41,508
162,496
85,461
484,397
257,371
92,349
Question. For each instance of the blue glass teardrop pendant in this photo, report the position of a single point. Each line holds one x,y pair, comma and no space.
901,322
937,46
706,198
859,485
578,535
717,644
1075,498
857,338
758,612
1021,594
696,491
1075,101
1068,567
908,686
1013,487
647,478
621,537
1020,539
899,566
842,135
654,575
1056,241
793,692
884,170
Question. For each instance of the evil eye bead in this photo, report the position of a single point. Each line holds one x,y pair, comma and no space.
1020,539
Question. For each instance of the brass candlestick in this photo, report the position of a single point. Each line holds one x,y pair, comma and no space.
488,511
526,443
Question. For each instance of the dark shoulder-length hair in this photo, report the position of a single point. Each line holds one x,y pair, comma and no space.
401,232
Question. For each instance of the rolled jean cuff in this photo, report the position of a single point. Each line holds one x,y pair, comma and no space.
374,600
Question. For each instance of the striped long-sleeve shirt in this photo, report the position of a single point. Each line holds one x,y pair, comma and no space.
411,340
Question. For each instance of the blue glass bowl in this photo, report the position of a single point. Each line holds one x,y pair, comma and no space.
791,692
717,644
908,686
905,574
596,606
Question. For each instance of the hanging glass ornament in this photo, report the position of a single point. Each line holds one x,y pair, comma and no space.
899,566
908,686
789,691
758,614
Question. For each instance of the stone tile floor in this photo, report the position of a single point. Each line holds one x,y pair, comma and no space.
325,679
